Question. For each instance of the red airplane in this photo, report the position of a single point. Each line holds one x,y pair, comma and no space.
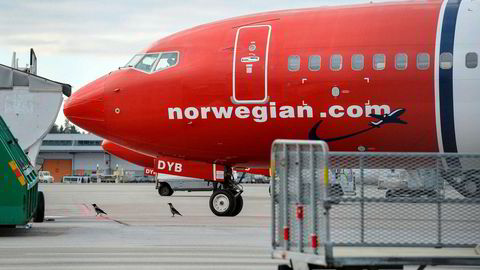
392,77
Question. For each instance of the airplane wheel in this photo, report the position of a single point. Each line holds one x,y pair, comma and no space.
222,203
284,267
238,206
165,190
39,215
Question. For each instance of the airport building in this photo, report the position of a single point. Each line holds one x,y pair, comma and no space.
81,155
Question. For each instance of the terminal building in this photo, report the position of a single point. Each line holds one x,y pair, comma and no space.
81,155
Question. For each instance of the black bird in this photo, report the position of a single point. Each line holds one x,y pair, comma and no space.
98,210
173,210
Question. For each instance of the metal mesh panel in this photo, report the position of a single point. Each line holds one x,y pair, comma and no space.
389,223
460,224
375,199
399,199
299,172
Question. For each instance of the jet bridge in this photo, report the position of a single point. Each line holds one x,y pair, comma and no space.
29,104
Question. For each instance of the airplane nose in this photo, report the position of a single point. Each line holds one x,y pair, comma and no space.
85,108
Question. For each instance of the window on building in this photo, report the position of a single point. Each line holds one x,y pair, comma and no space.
446,60
379,61
357,62
336,62
57,142
423,61
89,143
401,61
314,62
471,60
294,63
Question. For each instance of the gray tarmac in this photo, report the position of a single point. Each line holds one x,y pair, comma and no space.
139,232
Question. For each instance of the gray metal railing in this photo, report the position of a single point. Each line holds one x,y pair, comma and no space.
322,200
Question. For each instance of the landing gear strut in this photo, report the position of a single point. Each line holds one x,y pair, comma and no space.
226,199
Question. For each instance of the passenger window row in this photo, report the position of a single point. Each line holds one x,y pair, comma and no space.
379,61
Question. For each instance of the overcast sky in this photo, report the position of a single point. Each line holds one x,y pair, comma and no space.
78,41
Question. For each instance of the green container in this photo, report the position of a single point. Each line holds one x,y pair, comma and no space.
20,200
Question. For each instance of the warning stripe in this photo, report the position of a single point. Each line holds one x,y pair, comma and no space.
17,172
13,165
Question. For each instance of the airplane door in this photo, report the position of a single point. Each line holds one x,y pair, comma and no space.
250,64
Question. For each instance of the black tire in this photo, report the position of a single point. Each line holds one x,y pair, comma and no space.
165,190
284,267
39,215
222,203
238,206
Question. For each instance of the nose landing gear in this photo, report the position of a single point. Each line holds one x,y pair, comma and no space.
226,199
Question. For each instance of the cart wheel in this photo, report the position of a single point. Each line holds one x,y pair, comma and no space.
40,211
165,190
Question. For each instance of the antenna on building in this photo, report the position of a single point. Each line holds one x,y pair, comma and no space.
14,60
33,62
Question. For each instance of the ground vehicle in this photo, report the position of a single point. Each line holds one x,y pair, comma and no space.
20,200
45,177
76,179
313,226
167,186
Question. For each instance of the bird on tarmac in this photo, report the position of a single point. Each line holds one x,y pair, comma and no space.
173,210
98,210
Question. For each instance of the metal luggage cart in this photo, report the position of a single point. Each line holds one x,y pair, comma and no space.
312,226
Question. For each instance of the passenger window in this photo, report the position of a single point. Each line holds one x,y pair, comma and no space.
167,60
401,61
379,61
423,61
357,62
294,63
471,60
146,64
336,62
446,60
314,62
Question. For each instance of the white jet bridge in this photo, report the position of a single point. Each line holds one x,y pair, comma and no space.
29,104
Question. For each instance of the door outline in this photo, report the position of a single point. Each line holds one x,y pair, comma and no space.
266,97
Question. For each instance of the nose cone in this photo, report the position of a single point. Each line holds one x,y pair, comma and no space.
86,109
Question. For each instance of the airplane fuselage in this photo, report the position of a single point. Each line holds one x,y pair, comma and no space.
241,83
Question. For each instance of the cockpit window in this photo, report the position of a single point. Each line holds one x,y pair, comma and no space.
134,60
152,62
147,62
167,59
